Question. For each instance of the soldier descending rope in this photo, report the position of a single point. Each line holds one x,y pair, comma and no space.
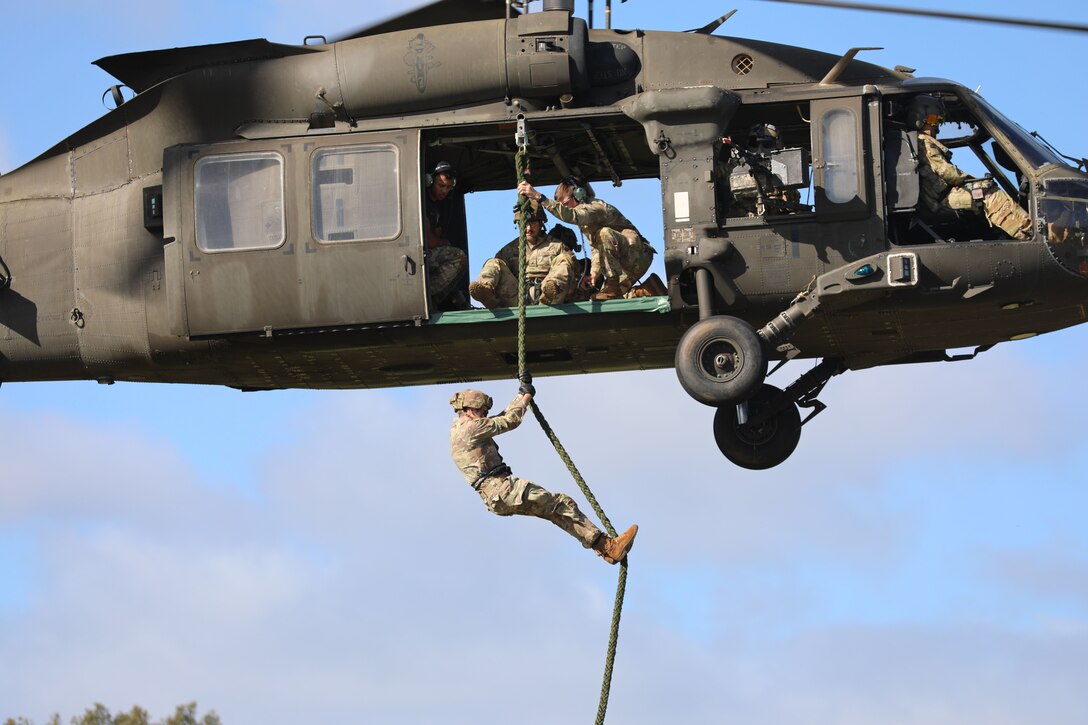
472,444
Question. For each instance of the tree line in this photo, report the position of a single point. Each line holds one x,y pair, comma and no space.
100,715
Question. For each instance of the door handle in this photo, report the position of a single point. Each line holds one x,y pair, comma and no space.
409,264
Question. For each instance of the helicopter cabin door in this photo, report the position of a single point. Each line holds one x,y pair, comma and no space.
296,233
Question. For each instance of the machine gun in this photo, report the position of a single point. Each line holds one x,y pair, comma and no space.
766,183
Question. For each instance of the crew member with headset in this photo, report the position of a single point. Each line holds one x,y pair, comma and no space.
944,186
620,254
446,263
474,451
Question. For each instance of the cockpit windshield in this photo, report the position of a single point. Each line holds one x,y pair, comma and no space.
1034,152
1064,209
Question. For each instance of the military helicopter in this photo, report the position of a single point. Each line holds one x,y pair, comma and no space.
252,216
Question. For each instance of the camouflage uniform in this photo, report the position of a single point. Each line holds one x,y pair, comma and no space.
942,188
472,444
445,266
549,272
619,251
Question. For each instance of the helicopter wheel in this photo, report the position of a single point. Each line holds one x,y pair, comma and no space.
720,361
758,447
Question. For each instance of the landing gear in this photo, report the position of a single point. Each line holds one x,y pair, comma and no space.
766,438
720,361
764,431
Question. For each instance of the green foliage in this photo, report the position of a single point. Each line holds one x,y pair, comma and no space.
137,716
100,715
186,715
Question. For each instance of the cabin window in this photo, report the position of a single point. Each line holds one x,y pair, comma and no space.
239,202
840,152
356,193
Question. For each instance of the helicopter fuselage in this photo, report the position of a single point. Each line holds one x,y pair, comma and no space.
253,216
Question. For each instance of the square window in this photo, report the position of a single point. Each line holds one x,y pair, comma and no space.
239,202
356,194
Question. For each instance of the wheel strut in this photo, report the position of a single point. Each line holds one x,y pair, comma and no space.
802,392
703,285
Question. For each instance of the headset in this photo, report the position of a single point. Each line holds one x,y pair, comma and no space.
577,191
442,168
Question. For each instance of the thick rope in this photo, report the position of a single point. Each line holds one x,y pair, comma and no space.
522,162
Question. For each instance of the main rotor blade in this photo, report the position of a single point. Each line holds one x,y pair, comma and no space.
438,12
1023,22
711,26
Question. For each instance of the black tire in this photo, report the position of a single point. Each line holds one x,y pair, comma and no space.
764,446
720,361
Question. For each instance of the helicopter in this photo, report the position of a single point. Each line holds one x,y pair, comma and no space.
251,217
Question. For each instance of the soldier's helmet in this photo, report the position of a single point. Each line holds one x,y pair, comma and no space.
471,399
536,213
925,110
567,236
764,138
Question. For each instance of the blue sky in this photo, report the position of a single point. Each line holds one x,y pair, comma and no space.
314,556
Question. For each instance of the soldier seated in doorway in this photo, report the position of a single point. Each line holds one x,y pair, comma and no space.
549,267
944,186
620,254
445,263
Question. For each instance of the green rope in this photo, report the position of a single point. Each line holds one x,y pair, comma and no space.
522,162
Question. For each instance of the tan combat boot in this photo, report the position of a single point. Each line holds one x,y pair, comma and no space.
655,286
614,550
484,293
610,291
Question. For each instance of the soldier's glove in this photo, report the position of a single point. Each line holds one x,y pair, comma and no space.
527,389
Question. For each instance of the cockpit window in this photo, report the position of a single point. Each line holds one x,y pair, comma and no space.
1036,154
1064,210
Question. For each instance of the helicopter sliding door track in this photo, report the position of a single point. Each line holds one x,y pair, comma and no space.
658,305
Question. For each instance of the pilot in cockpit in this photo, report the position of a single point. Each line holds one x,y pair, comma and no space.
944,186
